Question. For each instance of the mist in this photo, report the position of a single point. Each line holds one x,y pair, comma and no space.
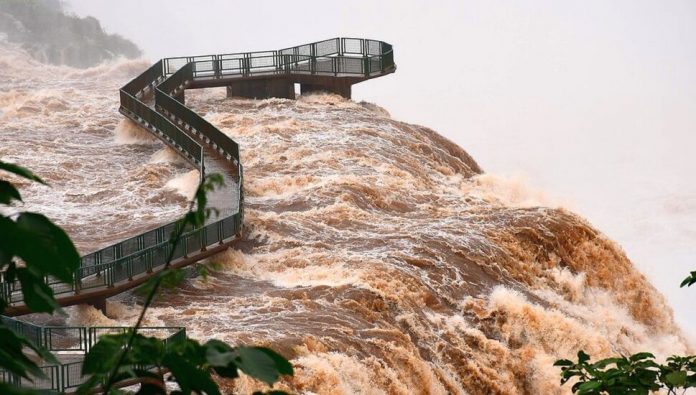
592,102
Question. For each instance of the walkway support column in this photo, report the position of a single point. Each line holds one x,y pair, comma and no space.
99,304
262,88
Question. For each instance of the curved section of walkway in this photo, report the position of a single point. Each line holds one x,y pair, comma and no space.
155,100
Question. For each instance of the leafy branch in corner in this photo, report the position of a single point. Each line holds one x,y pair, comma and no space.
33,248
635,374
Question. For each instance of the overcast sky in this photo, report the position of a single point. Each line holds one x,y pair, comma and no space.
592,101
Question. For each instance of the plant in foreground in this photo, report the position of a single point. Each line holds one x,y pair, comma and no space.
635,374
123,359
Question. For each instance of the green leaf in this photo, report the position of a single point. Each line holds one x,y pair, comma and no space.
589,385
582,357
20,171
12,357
218,353
46,246
222,358
37,295
8,193
601,364
563,362
689,281
262,364
640,355
146,350
676,379
7,243
188,376
103,356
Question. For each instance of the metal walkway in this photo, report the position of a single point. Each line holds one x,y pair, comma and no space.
155,100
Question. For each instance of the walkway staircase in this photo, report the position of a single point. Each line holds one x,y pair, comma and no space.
156,101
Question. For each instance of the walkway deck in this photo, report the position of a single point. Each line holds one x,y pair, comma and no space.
155,100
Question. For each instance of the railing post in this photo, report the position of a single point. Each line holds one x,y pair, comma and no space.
313,58
5,291
83,339
276,61
216,66
148,261
77,284
185,244
204,238
110,280
45,340
247,64
295,54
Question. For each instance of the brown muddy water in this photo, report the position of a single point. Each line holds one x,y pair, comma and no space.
380,258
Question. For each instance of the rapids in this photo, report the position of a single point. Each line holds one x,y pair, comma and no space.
64,124
377,256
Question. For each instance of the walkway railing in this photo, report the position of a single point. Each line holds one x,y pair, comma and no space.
71,342
183,116
133,107
144,253
144,260
171,121
332,57
175,124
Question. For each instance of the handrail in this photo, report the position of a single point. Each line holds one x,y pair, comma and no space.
375,56
138,111
171,121
72,339
193,122
146,260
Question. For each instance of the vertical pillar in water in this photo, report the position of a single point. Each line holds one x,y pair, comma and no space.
262,88
99,304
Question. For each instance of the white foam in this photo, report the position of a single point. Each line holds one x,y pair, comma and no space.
129,132
185,184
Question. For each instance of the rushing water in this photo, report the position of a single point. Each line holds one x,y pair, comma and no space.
378,256
64,125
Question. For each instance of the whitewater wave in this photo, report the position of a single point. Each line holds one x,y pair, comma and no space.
129,132
385,261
